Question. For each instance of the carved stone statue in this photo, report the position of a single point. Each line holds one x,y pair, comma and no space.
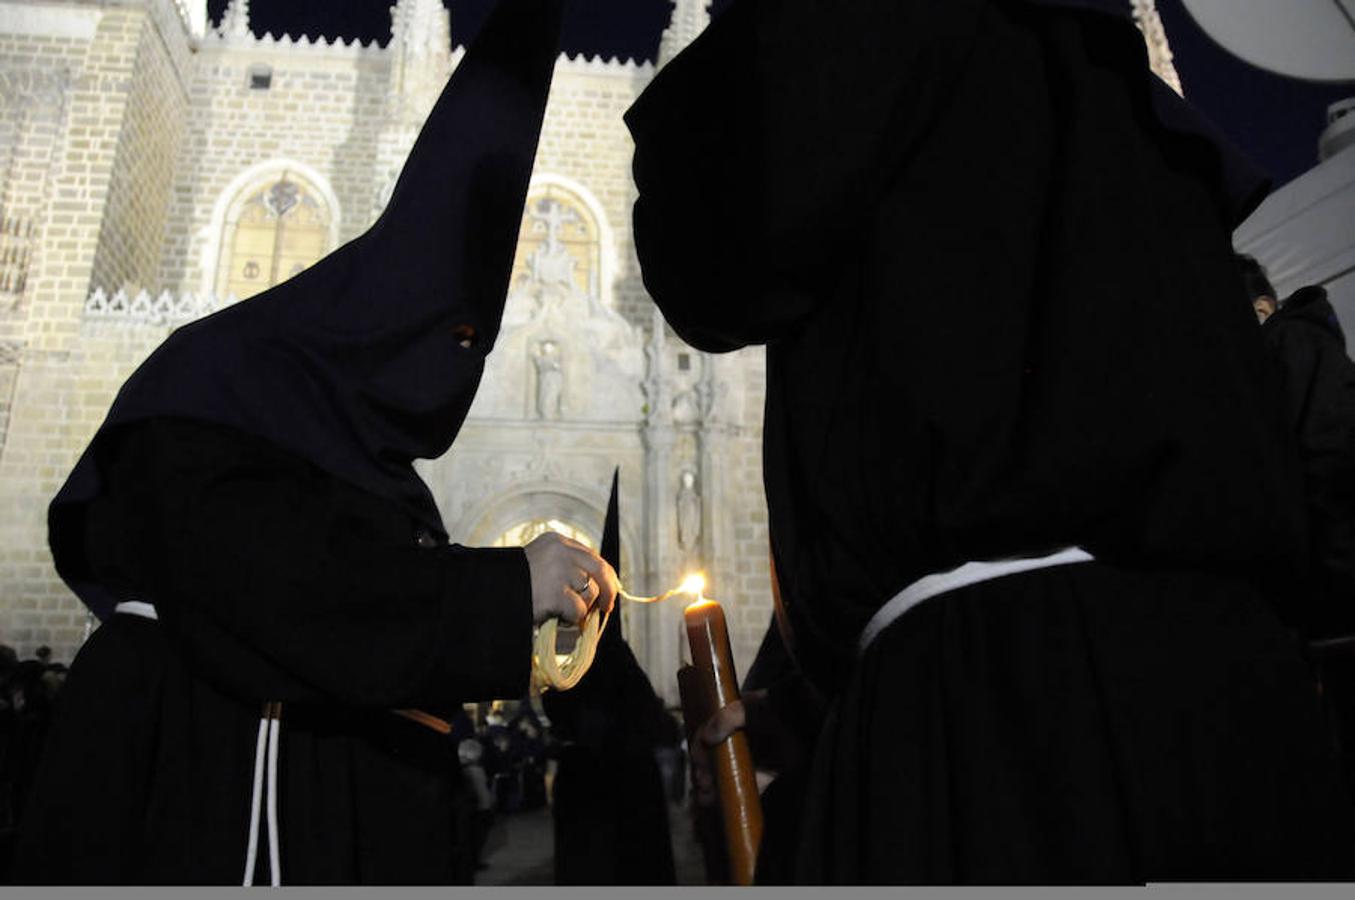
550,379
551,262
685,407
688,512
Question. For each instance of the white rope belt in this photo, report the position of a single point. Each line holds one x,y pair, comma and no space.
265,760
942,582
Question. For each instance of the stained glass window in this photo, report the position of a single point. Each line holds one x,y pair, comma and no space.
275,231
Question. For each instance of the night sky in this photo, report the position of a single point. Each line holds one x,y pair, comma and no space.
1275,120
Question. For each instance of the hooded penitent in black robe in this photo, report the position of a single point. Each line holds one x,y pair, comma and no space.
610,807
988,254
1317,380
253,483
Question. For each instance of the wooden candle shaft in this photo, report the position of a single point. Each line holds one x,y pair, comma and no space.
740,805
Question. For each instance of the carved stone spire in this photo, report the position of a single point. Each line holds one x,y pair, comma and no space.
1155,35
421,54
235,20
689,18
195,16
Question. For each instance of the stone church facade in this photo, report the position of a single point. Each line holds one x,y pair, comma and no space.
155,166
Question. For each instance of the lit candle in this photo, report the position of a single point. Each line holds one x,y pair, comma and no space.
740,805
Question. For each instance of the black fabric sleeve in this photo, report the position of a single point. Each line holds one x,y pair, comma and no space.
281,583
1318,386
783,724
777,127
1296,353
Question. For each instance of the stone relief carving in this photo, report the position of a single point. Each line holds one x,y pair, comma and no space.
468,482
384,193
686,407
561,351
654,388
422,45
688,512
550,379
708,393
696,401
551,263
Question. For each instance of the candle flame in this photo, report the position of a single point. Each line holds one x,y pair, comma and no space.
694,583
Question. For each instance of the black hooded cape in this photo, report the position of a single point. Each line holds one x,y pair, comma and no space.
254,482
989,259
610,806
1317,380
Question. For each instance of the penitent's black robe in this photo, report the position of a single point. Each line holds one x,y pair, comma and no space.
253,484
989,260
1317,381
273,581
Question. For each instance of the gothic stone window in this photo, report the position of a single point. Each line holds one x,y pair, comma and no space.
274,230
558,242
9,373
16,249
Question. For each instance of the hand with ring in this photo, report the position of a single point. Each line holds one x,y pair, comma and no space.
568,579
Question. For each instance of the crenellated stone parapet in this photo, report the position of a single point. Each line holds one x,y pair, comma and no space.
596,65
144,309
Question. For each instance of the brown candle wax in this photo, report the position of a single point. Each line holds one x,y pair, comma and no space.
709,639
740,805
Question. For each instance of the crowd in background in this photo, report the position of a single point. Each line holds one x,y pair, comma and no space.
1316,379
28,693
506,752
509,756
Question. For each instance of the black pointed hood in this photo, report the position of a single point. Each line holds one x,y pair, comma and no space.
359,364
610,548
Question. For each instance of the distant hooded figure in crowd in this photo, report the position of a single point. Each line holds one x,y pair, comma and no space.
1317,382
1033,505
610,806
470,753
277,592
